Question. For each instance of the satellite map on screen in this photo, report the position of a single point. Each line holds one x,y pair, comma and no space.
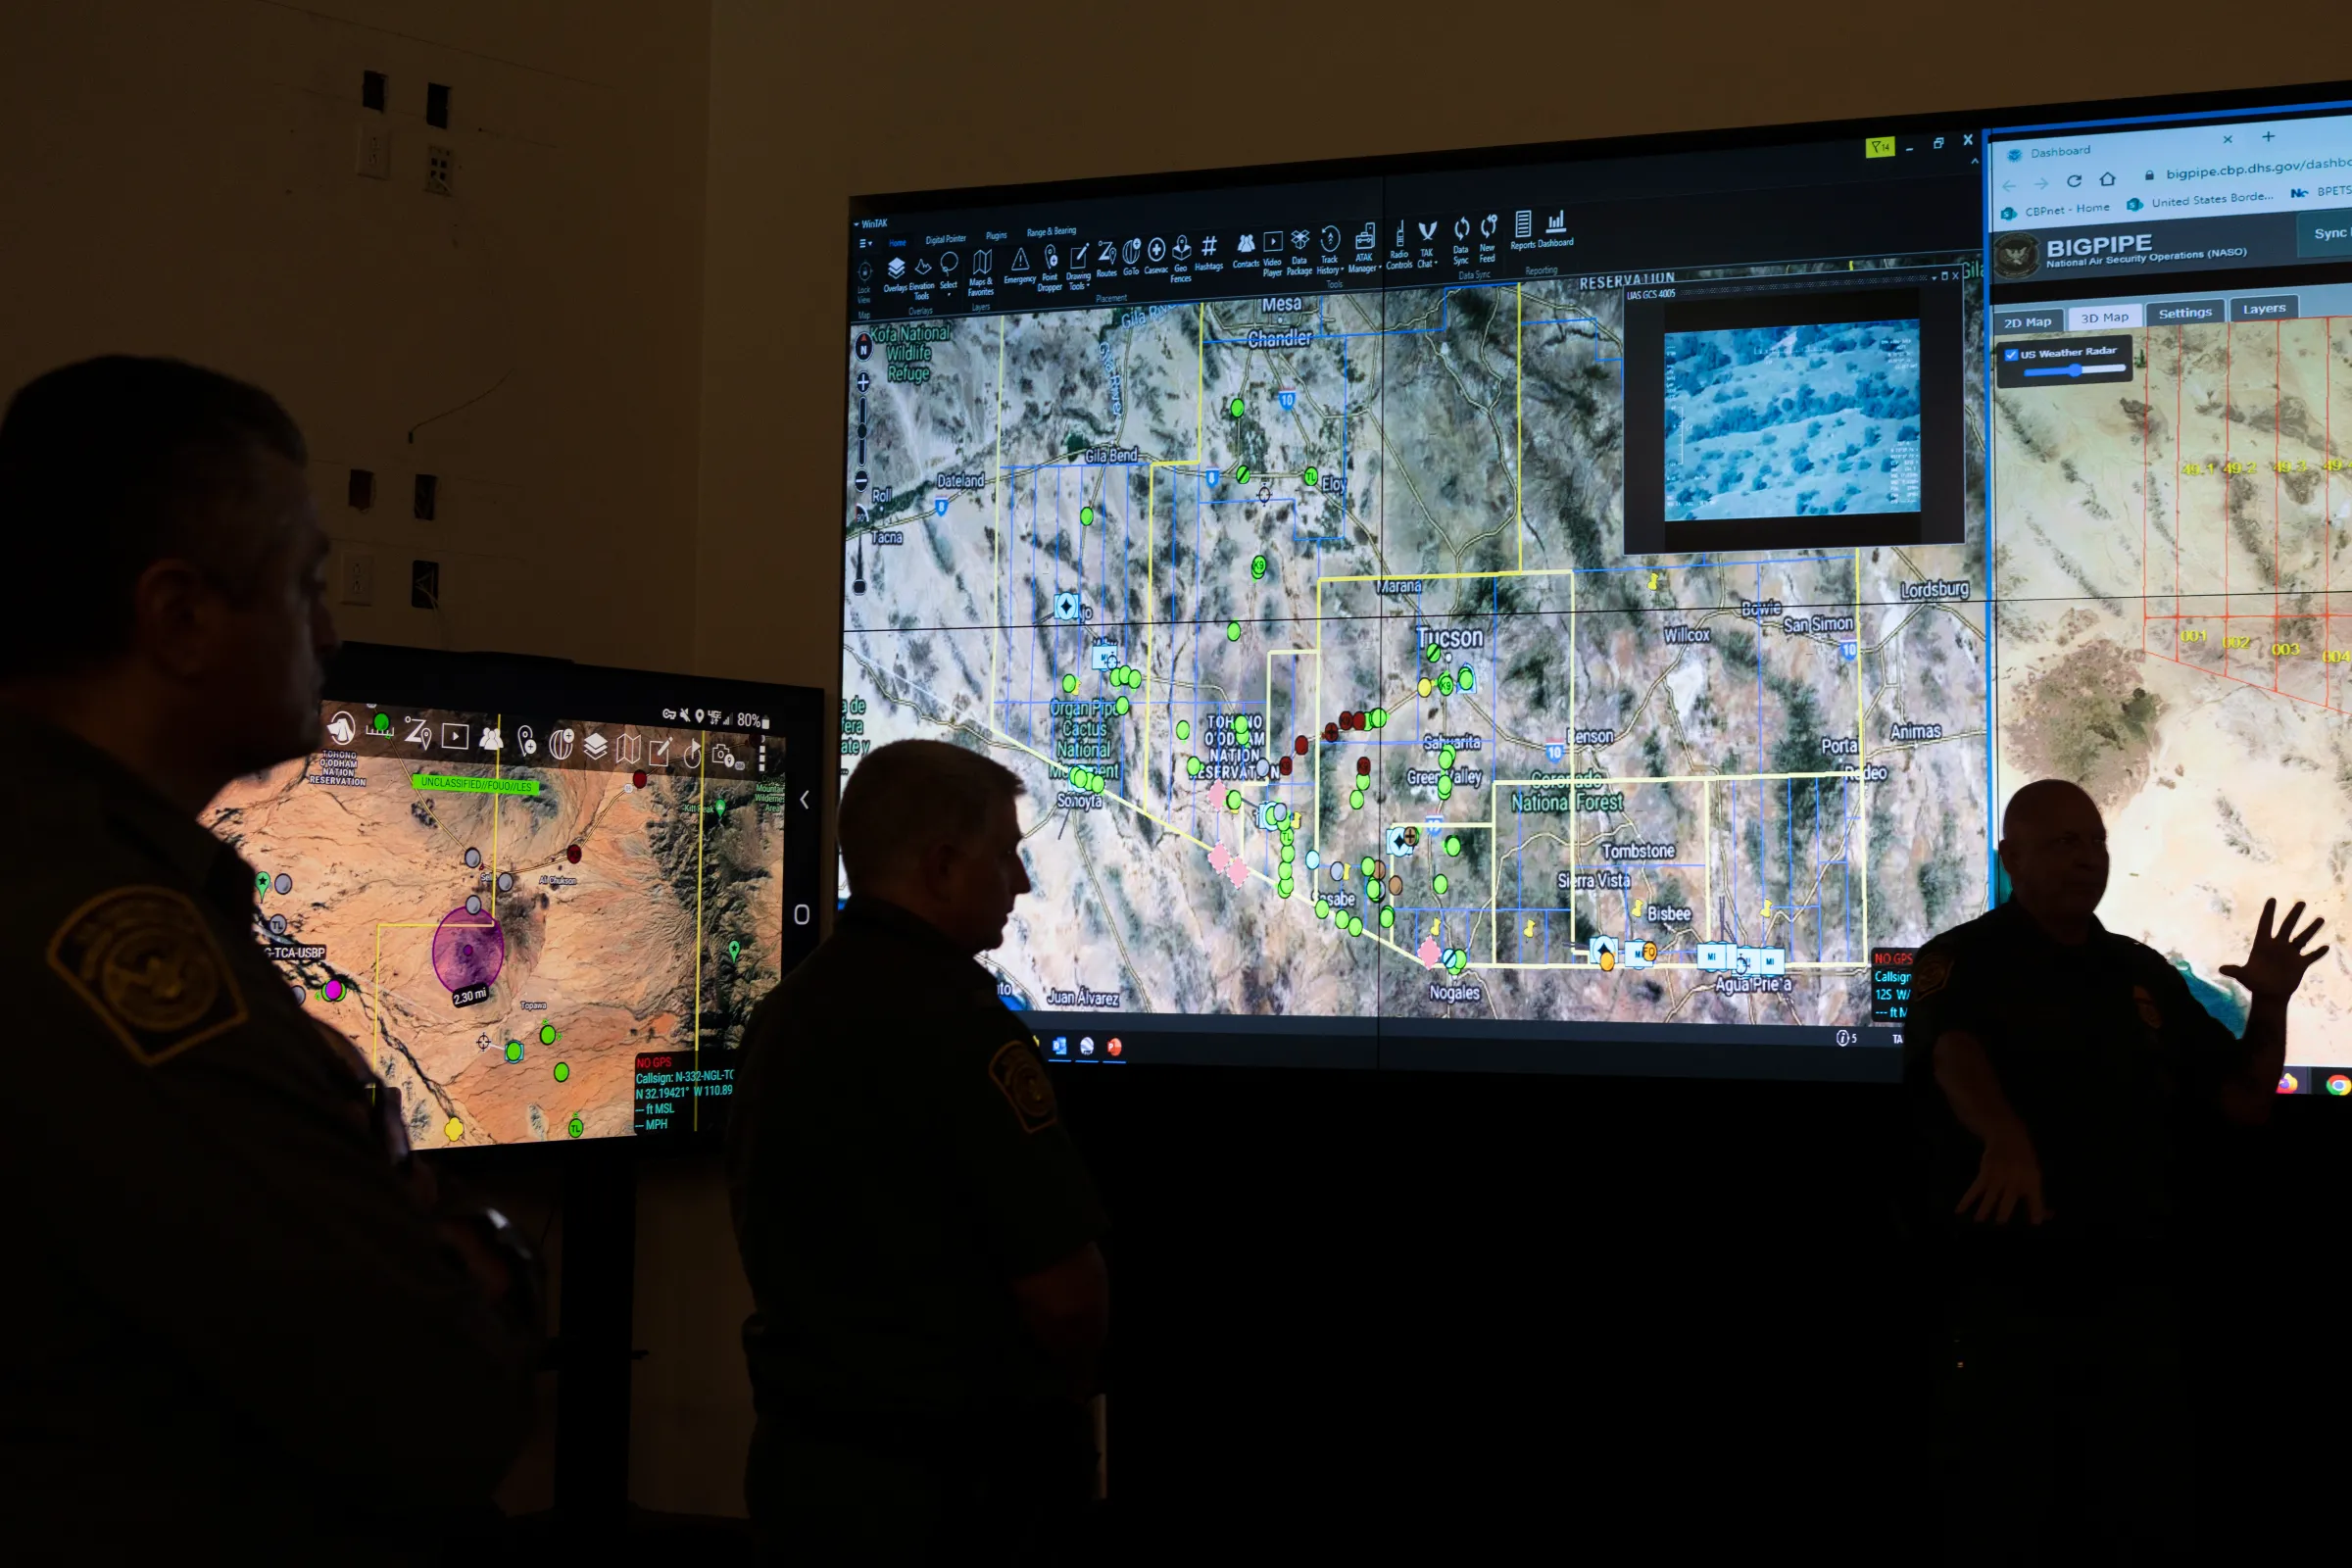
1308,623
529,927
2168,632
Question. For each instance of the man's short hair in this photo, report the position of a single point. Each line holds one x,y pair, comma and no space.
106,468
911,796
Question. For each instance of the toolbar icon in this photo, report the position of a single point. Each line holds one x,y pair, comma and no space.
595,745
1208,245
1429,230
456,737
1273,239
1108,254
420,733
1297,239
983,262
1523,224
946,262
1557,223
524,738
1053,258
1157,250
660,758
1461,228
1331,238
559,744
1245,245
1182,250
491,741
632,750
1130,251
1365,237
897,267
1487,224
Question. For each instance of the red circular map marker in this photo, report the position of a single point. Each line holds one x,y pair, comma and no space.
638,778
572,853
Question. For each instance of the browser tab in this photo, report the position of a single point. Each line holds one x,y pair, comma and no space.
2265,307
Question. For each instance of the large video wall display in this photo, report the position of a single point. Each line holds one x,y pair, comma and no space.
1582,609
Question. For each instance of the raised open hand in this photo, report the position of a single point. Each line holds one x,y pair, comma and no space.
2275,965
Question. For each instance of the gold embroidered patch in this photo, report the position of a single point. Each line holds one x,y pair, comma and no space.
2149,1013
144,960
1933,973
1021,1079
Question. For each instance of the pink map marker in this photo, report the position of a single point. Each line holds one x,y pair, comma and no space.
1429,954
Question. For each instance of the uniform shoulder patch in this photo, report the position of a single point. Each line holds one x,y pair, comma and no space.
1021,1079
1932,972
148,966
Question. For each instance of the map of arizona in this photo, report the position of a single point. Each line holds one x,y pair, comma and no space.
2167,565
1308,624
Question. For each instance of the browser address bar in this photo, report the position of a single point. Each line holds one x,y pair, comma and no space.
2111,177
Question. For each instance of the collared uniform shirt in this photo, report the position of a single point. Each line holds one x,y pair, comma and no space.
227,1323
2104,1053
895,1158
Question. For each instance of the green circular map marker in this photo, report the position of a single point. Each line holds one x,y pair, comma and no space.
1233,800
1464,679
1311,478
1184,729
1086,517
1387,918
383,722
1355,800
1435,651
1355,925
1258,569
513,1051
1069,684
1441,883
1446,757
1454,844
1444,786
1445,685
1233,631
563,1072
1380,718
547,1033
1235,407
1322,908
1192,766
574,1129
1120,707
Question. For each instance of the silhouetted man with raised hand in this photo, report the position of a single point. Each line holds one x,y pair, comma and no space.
2063,1076
239,1322
919,1232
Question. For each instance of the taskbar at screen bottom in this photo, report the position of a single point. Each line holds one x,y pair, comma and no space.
1852,1054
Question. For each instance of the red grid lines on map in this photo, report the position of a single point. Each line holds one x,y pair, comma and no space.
2202,624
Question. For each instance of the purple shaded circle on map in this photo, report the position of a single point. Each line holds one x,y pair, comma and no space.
469,949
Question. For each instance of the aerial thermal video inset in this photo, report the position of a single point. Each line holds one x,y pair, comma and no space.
1806,420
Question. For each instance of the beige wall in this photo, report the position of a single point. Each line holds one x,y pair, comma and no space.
642,259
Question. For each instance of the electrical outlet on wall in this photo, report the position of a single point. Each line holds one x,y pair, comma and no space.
375,160
359,578
440,171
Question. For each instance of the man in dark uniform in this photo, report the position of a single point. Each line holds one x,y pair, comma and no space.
2063,1075
918,1230
234,1324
